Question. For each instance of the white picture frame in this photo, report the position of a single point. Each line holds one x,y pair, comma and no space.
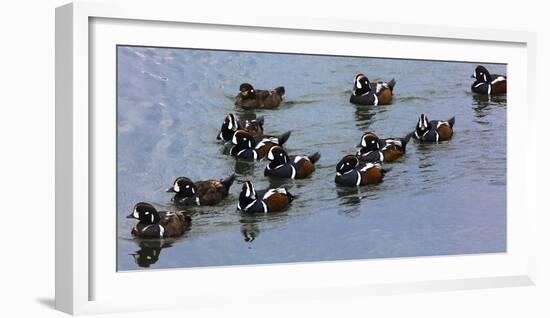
82,262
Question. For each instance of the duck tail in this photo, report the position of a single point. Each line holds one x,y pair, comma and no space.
284,137
227,182
405,140
260,121
280,91
407,137
314,157
451,121
187,218
290,196
391,84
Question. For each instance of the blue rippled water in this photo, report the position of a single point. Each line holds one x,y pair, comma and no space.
442,199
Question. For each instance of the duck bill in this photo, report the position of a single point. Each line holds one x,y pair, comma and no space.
359,145
130,216
171,190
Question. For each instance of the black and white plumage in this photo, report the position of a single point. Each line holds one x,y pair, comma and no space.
230,125
434,130
487,83
375,149
154,224
365,92
282,165
208,192
351,172
271,200
249,148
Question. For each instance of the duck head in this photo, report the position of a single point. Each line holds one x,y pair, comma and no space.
183,187
229,127
481,74
278,156
347,164
361,85
243,140
247,195
423,125
247,91
369,141
145,212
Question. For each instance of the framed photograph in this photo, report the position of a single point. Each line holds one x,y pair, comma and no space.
286,159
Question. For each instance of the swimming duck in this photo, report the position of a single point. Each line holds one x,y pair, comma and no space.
230,125
434,130
209,192
248,148
272,200
374,149
488,84
154,224
351,172
292,167
250,98
366,93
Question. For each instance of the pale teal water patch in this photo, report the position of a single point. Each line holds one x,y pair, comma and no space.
440,199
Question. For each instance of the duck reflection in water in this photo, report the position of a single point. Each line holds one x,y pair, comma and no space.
149,251
244,168
250,231
364,116
350,198
253,224
482,104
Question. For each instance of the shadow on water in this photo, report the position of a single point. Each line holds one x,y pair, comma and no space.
149,251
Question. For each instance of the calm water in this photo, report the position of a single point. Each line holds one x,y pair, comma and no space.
442,199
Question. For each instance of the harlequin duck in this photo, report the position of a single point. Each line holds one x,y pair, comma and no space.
292,167
230,125
248,148
488,84
250,98
374,149
351,172
154,224
209,192
434,130
366,93
272,200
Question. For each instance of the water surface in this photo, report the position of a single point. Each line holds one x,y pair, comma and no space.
448,198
